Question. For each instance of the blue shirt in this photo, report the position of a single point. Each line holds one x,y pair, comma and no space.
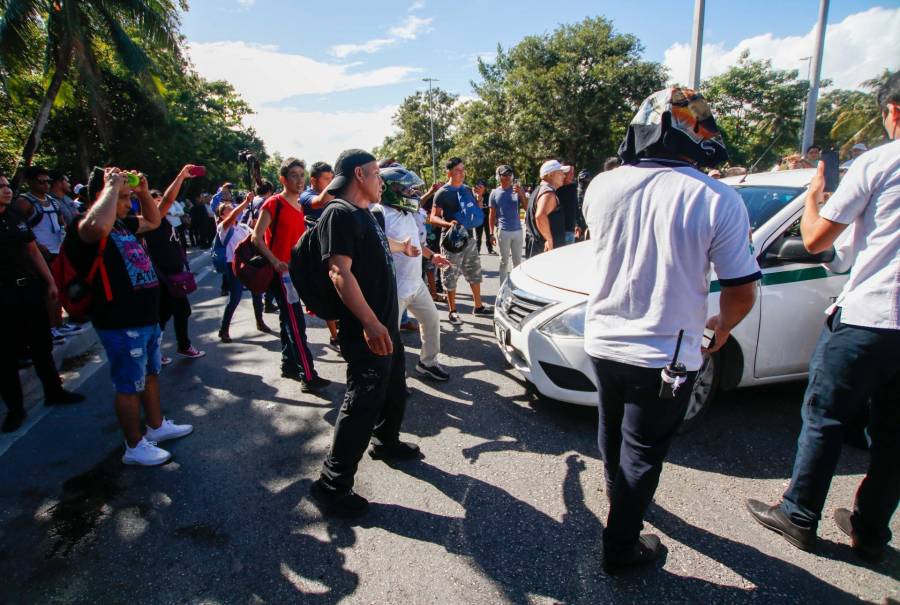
507,205
306,199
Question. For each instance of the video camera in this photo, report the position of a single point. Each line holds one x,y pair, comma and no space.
245,156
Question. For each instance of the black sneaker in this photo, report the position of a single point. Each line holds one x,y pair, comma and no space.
434,372
347,505
396,451
63,397
647,550
316,384
483,310
270,308
13,421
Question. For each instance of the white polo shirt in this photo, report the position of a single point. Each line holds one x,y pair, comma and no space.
399,226
656,228
868,199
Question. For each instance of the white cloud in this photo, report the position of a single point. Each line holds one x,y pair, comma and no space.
316,136
856,49
246,3
264,76
417,6
410,29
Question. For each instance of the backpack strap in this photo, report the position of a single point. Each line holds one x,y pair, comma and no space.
227,237
100,267
274,224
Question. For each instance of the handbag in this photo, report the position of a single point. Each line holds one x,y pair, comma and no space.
179,285
249,265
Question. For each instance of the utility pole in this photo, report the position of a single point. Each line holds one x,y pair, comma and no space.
697,44
803,113
431,119
809,123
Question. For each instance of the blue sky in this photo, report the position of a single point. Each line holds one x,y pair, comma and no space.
324,76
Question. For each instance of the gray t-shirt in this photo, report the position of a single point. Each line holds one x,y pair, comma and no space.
507,205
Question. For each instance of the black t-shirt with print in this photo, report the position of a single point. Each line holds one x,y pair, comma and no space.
165,248
135,287
356,233
15,236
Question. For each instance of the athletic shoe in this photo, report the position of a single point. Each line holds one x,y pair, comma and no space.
349,504
13,421
165,360
145,453
483,310
224,336
396,451
434,372
63,397
453,317
168,430
316,384
270,308
191,352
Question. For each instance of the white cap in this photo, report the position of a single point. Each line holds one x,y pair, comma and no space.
552,166
860,147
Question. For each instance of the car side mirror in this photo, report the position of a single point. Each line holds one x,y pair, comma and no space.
792,250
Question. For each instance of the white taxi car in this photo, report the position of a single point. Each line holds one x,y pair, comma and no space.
539,311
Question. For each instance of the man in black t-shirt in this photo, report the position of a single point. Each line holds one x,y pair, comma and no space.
568,201
125,307
361,267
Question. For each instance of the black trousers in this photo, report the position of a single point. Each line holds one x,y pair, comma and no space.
372,410
178,309
296,357
636,429
25,324
479,234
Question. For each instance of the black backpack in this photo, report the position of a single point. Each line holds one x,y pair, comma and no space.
309,272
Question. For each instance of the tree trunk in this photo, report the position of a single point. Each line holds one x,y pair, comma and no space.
43,115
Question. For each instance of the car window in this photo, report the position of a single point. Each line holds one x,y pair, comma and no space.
764,202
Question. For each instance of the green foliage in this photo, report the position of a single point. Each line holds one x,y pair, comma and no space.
123,106
755,105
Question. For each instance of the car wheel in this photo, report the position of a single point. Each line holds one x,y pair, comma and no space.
705,387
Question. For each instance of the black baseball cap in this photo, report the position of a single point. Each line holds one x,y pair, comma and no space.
346,163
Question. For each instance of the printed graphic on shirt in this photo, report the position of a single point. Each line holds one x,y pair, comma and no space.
385,245
137,262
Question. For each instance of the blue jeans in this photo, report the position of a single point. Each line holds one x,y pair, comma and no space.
570,237
852,366
132,354
235,291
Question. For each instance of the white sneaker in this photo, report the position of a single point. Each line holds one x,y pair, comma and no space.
145,453
168,430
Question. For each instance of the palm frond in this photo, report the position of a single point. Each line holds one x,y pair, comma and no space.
20,27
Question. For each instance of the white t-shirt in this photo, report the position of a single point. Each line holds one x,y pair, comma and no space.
176,211
868,199
655,229
399,226
47,230
241,231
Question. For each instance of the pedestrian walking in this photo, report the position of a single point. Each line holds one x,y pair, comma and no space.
25,281
503,218
856,362
482,232
280,225
361,267
127,321
663,222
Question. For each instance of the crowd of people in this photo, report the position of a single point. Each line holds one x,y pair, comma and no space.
656,220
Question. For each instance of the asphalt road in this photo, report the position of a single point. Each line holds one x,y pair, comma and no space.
506,507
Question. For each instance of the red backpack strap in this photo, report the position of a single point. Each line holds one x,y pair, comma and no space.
100,266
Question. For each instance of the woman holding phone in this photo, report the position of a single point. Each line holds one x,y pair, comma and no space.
231,232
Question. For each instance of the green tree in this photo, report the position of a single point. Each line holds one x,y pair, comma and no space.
756,106
79,33
852,116
411,144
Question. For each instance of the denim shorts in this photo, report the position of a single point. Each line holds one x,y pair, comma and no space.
132,354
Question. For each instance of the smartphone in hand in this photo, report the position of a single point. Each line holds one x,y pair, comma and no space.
709,338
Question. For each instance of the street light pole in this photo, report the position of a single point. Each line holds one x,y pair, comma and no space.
431,119
697,44
809,123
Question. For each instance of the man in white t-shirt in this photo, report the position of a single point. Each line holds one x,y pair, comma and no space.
402,221
857,360
663,223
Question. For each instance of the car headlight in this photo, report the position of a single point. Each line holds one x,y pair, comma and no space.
568,324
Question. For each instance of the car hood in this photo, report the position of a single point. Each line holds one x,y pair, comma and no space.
568,268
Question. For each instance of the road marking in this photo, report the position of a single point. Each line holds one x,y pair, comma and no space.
73,384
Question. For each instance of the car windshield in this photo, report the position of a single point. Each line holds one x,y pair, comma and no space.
764,202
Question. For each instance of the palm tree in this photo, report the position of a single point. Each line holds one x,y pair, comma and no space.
78,32
858,118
